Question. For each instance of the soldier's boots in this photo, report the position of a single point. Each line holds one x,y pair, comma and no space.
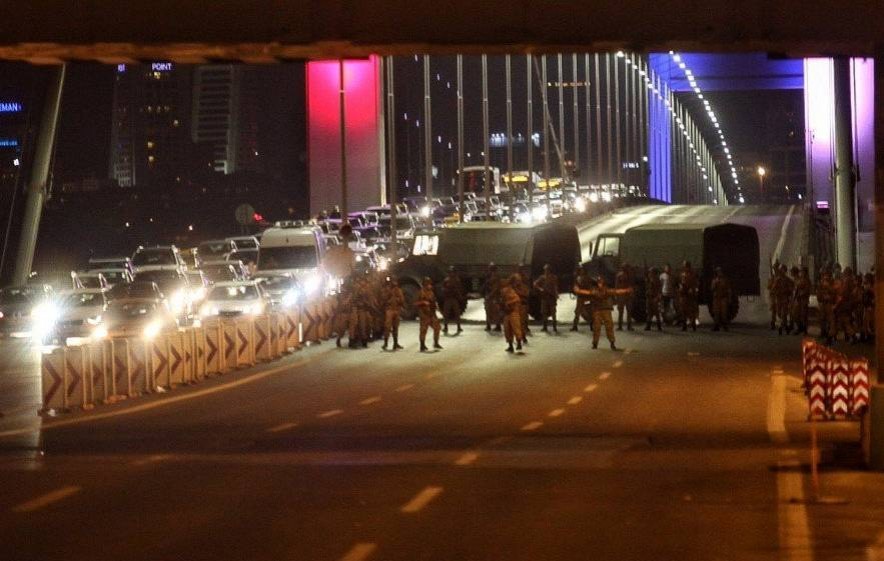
659,325
518,346
544,328
509,349
648,326
595,344
423,347
386,341
396,345
497,328
487,327
613,346
436,345
574,327
459,328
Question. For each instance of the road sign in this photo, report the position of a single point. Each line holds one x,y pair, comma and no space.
245,214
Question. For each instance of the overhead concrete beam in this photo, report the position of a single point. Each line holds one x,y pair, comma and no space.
267,30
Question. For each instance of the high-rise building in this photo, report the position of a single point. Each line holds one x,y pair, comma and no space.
224,115
150,141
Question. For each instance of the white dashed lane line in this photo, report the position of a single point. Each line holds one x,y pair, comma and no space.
47,499
556,412
370,400
360,552
575,400
421,500
533,425
467,459
618,364
332,413
604,375
590,388
282,427
404,388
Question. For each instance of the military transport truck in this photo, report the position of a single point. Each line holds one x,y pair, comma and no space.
470,247
732,247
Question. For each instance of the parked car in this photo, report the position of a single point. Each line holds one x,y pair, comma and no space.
27,311
135,317
136,289
174,285
79,312
283,291
154,257
215,250
245,242
235,299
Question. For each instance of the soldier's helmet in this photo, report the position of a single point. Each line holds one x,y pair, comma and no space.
427,281
546,268
719,271
451,268
492,266
515,278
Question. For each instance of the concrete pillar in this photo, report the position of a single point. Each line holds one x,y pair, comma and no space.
845,177
879,208
27,243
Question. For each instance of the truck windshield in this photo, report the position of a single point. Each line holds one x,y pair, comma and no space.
158,256
287,257
608,246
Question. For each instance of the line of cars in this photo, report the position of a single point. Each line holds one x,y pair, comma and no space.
157,289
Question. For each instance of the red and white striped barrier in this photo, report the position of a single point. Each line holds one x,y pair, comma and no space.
836,387
859,382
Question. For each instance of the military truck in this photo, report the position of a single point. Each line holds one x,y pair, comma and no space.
470,247
732,247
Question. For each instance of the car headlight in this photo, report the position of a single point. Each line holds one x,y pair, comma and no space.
255,309
94,321
425,211
539,213
152,329
593,197
198,294
580,205
99,333
207,311
43,318
290,298
606,197
312,285
176,302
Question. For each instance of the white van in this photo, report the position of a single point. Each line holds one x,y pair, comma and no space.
296,251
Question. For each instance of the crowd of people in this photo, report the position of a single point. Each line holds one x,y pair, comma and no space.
370,304
846,302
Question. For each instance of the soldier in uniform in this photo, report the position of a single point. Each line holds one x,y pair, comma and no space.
360,303
547,285
801,301
868,298
721,299
392,302
342,310
688,296
426,309
602,308
524,293
452,299
512,318
783,290
623,281
844,305
491,292
772,293
653,299
581,309
825,295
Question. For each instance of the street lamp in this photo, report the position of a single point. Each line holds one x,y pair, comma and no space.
761,173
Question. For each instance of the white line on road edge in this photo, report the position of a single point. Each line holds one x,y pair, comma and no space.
556,412
467,459
370,400
794,531
605,375
404,387
575,400
160,402
617,364
47,499
590,388
421,500
776,410
360,552
282,427
332,413
533,425
782,240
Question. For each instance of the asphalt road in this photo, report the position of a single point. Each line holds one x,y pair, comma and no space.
679,447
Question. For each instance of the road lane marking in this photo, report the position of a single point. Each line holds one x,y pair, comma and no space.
604,375
590,388
360,552
776,410
467,459
432,375
156,458
692,353
327,414
47,499
794,530
282,427
782,240
404,388
556,412
575,400
370,400
162,402
533,425
421,500
617,364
